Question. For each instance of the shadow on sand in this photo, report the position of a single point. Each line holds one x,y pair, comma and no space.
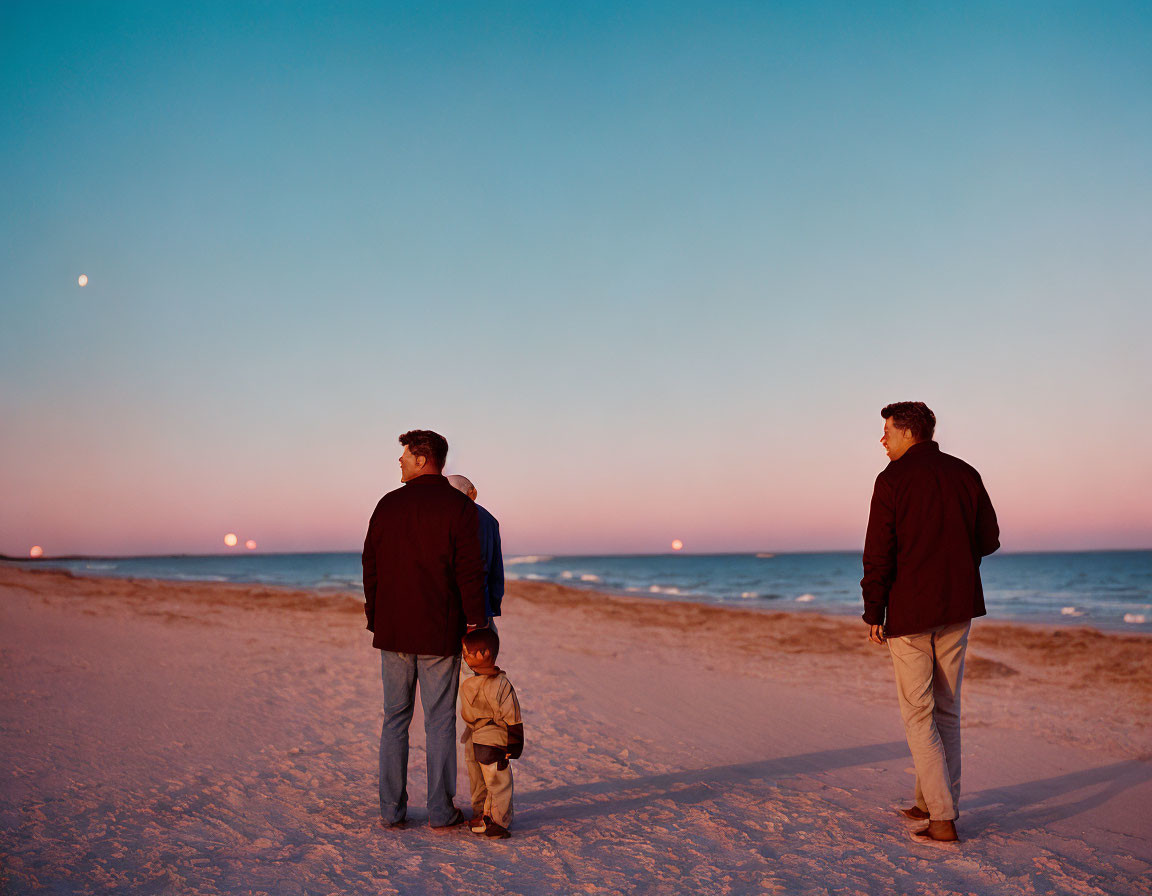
1013,808
1036,804
617,795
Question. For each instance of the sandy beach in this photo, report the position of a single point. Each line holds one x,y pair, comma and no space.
165,738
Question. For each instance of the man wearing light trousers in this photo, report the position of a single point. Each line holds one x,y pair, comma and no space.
931,521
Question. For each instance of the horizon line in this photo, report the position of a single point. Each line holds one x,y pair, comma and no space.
183,555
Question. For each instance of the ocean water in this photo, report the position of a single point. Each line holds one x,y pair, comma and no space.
1105,589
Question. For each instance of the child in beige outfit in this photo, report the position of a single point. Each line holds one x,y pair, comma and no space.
493,734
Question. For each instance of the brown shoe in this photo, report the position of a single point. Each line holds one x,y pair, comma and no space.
479,824
492,829
915,813
942,831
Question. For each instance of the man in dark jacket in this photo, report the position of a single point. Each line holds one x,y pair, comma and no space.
423,588
931,521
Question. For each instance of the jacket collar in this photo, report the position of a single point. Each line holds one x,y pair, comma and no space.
428,479
922,448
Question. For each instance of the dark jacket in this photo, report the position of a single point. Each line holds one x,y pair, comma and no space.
493,561
423,570
931,522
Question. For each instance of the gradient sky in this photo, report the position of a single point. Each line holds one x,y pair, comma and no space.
652,268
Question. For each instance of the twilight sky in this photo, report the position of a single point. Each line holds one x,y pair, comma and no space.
652,268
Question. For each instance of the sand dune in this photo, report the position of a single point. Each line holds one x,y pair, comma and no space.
160,738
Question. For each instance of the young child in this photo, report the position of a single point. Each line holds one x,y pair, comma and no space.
493,734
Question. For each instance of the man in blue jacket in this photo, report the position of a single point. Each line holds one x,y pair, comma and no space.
930,523
490,547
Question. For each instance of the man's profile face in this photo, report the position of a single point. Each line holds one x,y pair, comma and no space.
896,440
411,466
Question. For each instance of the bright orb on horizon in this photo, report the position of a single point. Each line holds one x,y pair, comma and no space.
250,544
230,539
36,551
677,544
82,279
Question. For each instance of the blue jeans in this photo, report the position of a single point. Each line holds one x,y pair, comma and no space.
439,678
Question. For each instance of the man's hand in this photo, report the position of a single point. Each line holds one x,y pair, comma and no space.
876,634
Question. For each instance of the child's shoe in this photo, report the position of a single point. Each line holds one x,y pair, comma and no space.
492,829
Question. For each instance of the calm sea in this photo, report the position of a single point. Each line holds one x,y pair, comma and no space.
1107,589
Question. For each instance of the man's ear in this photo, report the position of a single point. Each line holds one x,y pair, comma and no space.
421,460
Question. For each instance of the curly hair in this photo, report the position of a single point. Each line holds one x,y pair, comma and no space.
914,416
427,444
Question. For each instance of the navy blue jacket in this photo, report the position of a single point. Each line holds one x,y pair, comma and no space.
493,561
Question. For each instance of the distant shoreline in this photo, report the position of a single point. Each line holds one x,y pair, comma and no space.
593,592
8,558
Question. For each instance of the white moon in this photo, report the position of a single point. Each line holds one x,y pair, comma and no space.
82,279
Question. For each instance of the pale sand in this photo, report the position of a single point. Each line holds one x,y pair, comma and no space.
159,738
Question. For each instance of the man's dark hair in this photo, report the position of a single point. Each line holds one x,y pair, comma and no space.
482,639
914,416
427,444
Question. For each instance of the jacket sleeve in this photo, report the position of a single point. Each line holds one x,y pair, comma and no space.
496,573
516,740
879,553
987,528
468,563
509,712
368,560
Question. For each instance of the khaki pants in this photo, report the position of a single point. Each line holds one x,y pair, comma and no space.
491,788
929,669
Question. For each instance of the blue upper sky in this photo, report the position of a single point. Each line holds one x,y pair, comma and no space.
652,268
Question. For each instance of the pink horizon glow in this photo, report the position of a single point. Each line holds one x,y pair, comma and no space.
765,494
708,524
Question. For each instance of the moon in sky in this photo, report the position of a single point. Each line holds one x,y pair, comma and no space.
36,551
82,279
230,539
250,544
677,544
